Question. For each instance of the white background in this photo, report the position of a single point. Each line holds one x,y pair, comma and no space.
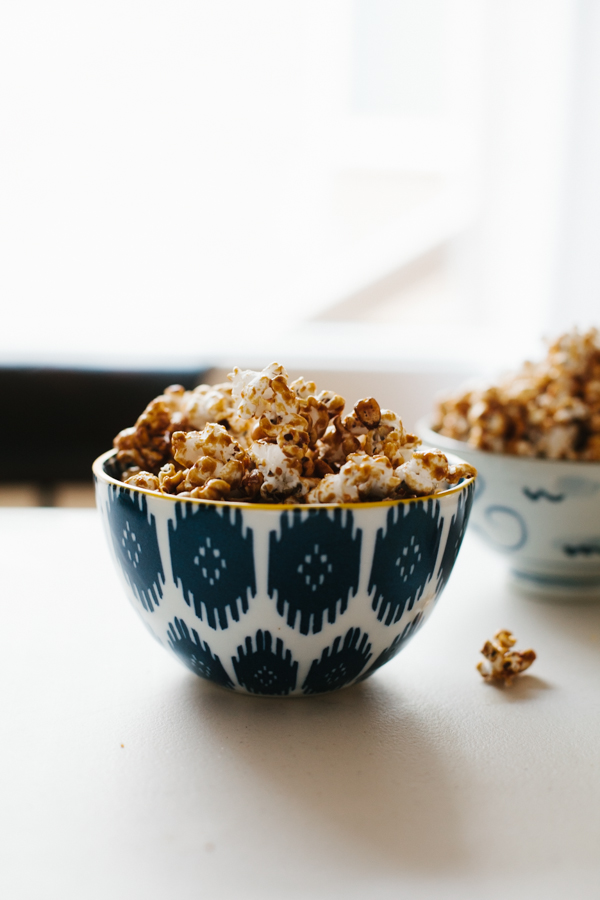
198,181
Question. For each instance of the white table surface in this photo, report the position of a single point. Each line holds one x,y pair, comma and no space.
125,776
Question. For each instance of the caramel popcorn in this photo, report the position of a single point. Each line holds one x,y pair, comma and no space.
502,663
362,477
548,409
212,461
147,445
262,439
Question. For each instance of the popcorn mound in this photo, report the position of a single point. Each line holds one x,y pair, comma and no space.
548,409
260,439
502,662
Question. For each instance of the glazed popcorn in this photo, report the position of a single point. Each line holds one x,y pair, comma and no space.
362,477
262,439
147,445
502,663
549,409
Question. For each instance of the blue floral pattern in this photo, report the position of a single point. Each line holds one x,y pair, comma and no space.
405,558
586,548
212,561
338,665
263,670
133,532
543,494
456,534
314,566
195,654
504,528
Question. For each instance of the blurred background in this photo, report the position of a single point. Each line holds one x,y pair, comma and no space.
391,195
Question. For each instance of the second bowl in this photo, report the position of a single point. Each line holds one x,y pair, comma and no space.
542,514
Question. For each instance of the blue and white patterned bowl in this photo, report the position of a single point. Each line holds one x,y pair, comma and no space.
281,600
542,514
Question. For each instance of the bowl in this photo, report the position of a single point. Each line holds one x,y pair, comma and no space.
281,600
542,514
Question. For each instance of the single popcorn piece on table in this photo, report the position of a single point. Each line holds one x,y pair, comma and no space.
277,442
502,663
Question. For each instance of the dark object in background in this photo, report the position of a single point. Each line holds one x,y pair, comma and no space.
55,422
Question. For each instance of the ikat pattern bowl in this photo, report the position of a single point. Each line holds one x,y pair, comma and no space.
542,514
281,600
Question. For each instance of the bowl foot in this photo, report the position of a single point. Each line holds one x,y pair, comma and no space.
553,587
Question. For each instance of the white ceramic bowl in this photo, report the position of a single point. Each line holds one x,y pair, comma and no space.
542,514
281,600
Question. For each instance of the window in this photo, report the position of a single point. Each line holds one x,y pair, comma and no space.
200,181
